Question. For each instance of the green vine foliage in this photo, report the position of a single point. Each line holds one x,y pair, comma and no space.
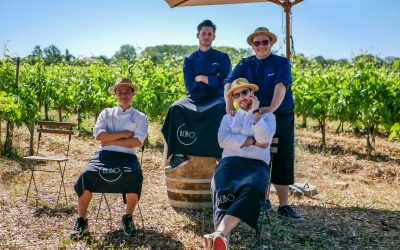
362,91
159,84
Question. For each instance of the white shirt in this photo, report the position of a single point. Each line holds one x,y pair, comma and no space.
115,119
234,130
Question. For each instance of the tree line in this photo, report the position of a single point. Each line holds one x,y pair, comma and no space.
52,55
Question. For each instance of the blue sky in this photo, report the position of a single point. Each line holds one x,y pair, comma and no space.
331,28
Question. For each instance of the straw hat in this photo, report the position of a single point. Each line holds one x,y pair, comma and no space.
123,82
241,83
261,31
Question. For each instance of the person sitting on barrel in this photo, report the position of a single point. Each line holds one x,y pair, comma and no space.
114,168
241,176
191,124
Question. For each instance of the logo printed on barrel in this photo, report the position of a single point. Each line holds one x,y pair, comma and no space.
185,136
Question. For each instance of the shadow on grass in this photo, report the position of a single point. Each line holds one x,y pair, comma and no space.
325,227
147,238
58,211
331,228
340,150
201,220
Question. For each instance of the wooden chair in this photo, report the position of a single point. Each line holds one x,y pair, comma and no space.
273,150
104,197
49,127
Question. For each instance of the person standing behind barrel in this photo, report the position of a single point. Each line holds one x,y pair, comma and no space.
272,74
204,72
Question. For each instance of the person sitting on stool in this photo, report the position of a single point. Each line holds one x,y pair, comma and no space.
115,167
241,176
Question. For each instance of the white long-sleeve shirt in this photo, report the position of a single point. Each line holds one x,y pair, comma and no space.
234,130
115,119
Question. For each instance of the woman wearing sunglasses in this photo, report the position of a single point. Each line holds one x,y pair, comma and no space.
272,74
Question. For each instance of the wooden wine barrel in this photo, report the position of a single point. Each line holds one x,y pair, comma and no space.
188,186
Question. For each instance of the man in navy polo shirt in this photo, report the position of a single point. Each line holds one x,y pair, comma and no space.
206,68
204,72
272,74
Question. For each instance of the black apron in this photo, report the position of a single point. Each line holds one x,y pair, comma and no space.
111,172
238,189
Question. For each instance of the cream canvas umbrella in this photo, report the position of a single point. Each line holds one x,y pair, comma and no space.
285,4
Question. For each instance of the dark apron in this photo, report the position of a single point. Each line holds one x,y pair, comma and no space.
238,189
283,160
192,128
111,172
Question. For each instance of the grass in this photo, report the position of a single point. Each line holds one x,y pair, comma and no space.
357,205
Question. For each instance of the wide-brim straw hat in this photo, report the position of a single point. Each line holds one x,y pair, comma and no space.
261,31
123,82
241,83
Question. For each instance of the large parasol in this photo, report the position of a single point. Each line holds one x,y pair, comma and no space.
285,4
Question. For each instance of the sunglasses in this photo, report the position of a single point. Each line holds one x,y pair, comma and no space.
243,93
263,42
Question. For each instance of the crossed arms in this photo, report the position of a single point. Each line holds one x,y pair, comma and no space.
134,137
263,132
119,138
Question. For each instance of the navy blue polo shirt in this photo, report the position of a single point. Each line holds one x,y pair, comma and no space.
212,63
266,73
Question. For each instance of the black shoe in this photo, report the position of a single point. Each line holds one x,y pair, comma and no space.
288,212
266,207
80,229
127,224
177,161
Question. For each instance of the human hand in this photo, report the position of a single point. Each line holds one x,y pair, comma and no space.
255,104
230,109
249,141
264,110
127,134
201,78
261,145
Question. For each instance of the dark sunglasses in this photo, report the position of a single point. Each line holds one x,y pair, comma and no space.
263,42
243,93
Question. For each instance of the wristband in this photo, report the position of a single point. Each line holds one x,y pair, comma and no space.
257,111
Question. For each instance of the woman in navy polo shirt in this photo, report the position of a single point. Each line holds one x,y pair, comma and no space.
273,76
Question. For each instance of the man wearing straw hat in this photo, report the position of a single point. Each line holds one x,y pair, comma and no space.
241,176
272,74
115,167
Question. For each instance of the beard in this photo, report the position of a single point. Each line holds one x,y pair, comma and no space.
245,104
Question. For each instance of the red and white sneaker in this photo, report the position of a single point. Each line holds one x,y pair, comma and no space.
219,242
215,241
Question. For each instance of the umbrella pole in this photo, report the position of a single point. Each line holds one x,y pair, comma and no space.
287,7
